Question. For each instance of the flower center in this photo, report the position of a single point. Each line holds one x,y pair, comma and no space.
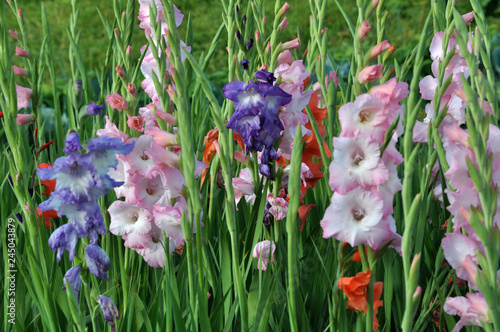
358,214
155,239
357,159
134,217
144,156
365,116
150,191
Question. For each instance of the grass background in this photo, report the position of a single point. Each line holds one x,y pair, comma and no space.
406,18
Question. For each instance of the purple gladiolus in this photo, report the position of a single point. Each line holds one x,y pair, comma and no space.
94,109
256,118
64,238
109,310
97,261
73,277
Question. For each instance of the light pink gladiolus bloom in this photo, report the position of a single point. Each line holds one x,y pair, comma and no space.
370,73
23,96
264,252
461,252
357,218
24,119
356,162
117,102
279,206
243,186
379,49
111,130
162,137
472,310
363,31
128,218
366,116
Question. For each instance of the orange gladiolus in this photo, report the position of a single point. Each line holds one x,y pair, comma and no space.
49,185
355,290
46,216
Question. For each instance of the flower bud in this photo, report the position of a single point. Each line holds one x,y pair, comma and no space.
282,26
120,71
22,53
132,90
370,73
19,71
363,31
13,34
24,119
290,45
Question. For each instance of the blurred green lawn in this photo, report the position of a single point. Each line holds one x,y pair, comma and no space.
404,23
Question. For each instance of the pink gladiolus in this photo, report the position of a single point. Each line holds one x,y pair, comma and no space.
136,122
264,251
290,45
243,186
370,73
117,102
363,31
162,137
283,24
379,49
468,17
23,96
131,89
472,310
357,218
22,53
279,206
332,77
120,71
24,119
19,71
284,8
13,34
111,130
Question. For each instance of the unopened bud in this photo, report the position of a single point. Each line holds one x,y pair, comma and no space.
468,17
264,20
284,9
283,24
290,45
19,71
120,71
363,31
117,35
129,50
132,90
22,53
257,35
379,49
24,119
13,34
268,47
19,13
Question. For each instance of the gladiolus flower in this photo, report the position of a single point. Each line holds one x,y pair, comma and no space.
115,101
370,73
22,53
73,277
379,49
363,31
264,252
23,96
356,292
13,34
109,310
136,122
290,45
19,71
97,261
49,185
24,119
46,216
282,26
94,109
